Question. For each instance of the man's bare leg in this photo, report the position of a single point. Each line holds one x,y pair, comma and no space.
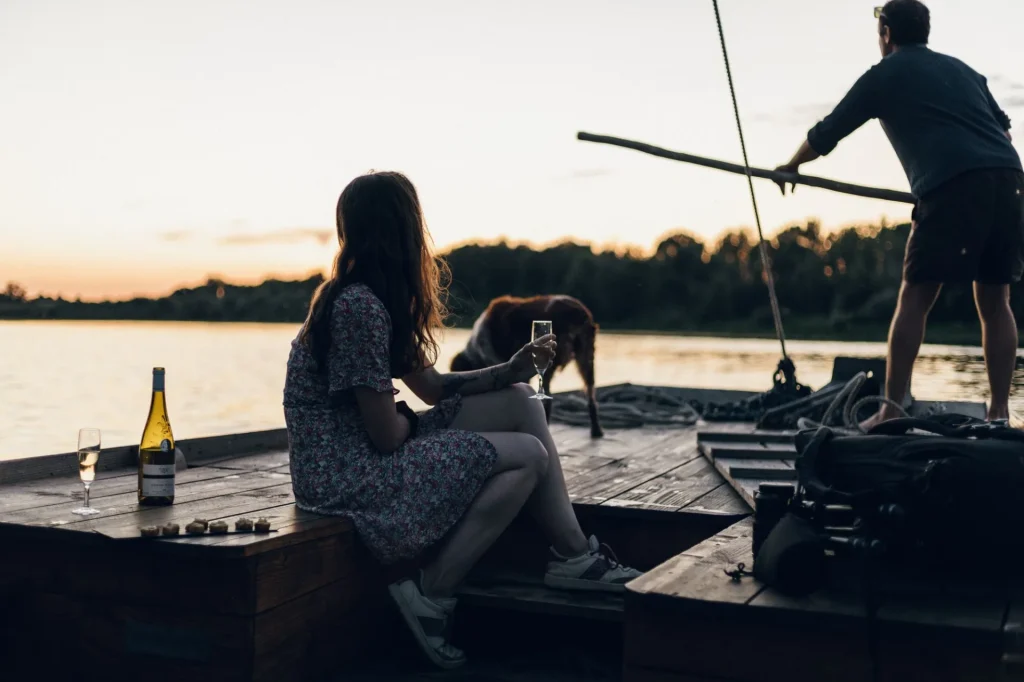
906,333
999,340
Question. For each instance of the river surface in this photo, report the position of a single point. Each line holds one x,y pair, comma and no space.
57,377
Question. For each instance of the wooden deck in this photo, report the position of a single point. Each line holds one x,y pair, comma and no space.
926,630
924,627
89,594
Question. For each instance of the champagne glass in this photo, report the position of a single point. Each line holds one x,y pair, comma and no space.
541,328
88,456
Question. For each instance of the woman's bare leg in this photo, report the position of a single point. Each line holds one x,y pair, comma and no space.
511,409
522,459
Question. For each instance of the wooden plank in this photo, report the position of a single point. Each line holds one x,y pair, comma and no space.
705,581
292,525
196,451
64,465
760,469
135,574
127,503
673,489
286,573
203,450
261,502
619,445
117,641
721,500
318,635
744,476
68,489
536,598
263,461
611,480
744,433
740,644
748,450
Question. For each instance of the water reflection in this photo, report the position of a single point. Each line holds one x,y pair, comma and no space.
56,377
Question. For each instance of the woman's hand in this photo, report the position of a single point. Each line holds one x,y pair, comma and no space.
536,353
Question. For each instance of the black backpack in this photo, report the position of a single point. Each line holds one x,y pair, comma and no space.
923,499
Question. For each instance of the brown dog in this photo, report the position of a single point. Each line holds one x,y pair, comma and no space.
507,325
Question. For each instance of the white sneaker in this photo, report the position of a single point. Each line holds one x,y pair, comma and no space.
430,621
595,570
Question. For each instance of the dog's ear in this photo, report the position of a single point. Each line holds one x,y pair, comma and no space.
460,363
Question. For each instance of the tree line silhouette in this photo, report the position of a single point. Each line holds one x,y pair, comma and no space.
830,285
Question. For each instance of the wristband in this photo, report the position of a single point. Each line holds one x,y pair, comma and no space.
404,409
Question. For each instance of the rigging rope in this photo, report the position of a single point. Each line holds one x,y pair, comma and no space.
765,261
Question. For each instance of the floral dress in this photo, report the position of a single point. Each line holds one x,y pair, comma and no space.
400,503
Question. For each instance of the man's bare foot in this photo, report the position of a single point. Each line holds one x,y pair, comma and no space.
877,418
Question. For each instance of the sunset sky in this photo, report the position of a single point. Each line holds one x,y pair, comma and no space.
146,145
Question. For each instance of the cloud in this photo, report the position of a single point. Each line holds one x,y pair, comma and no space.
289,235
801,114
1006,83
1013,102
175,235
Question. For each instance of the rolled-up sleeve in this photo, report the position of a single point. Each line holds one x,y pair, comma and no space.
360,339
855,109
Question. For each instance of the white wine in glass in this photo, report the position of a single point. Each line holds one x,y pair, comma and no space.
541,328
88,457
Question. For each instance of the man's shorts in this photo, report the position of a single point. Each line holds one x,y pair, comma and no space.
969,229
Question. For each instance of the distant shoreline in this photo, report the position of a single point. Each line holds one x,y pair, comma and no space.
796,330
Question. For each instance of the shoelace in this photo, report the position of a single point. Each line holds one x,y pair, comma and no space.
609,555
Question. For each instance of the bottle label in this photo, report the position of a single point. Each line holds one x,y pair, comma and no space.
157,487
157,470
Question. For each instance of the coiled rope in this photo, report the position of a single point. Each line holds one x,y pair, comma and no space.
851,407
626,407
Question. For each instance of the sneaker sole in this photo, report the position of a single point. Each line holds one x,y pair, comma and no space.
417,632
582,585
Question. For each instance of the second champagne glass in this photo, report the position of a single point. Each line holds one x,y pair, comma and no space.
541,328
88,456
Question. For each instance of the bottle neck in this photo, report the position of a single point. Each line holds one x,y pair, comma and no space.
158,383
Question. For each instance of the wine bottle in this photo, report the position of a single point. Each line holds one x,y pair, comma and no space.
156,450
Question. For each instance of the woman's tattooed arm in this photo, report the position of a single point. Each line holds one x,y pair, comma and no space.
482,380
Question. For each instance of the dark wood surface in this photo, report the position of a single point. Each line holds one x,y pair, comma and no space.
650,468
745,458
927,629
282,605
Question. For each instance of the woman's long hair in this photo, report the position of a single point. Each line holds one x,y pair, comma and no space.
385,245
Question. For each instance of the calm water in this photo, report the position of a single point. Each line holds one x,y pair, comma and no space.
56,377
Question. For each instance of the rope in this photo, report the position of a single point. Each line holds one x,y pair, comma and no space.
626,407
765,262
850,406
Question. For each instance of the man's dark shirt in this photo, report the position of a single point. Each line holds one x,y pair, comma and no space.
938,113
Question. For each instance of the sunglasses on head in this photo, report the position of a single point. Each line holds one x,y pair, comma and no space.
878,13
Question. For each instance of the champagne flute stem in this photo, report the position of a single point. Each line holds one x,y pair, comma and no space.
86,494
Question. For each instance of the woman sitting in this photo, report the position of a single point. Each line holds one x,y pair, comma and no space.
454,476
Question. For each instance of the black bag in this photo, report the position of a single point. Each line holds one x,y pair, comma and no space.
932,499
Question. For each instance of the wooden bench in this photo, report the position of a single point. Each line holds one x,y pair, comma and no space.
89,594
687,621
231,607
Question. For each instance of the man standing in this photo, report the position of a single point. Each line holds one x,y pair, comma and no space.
954,143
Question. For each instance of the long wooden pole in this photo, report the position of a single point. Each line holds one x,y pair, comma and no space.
823,183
